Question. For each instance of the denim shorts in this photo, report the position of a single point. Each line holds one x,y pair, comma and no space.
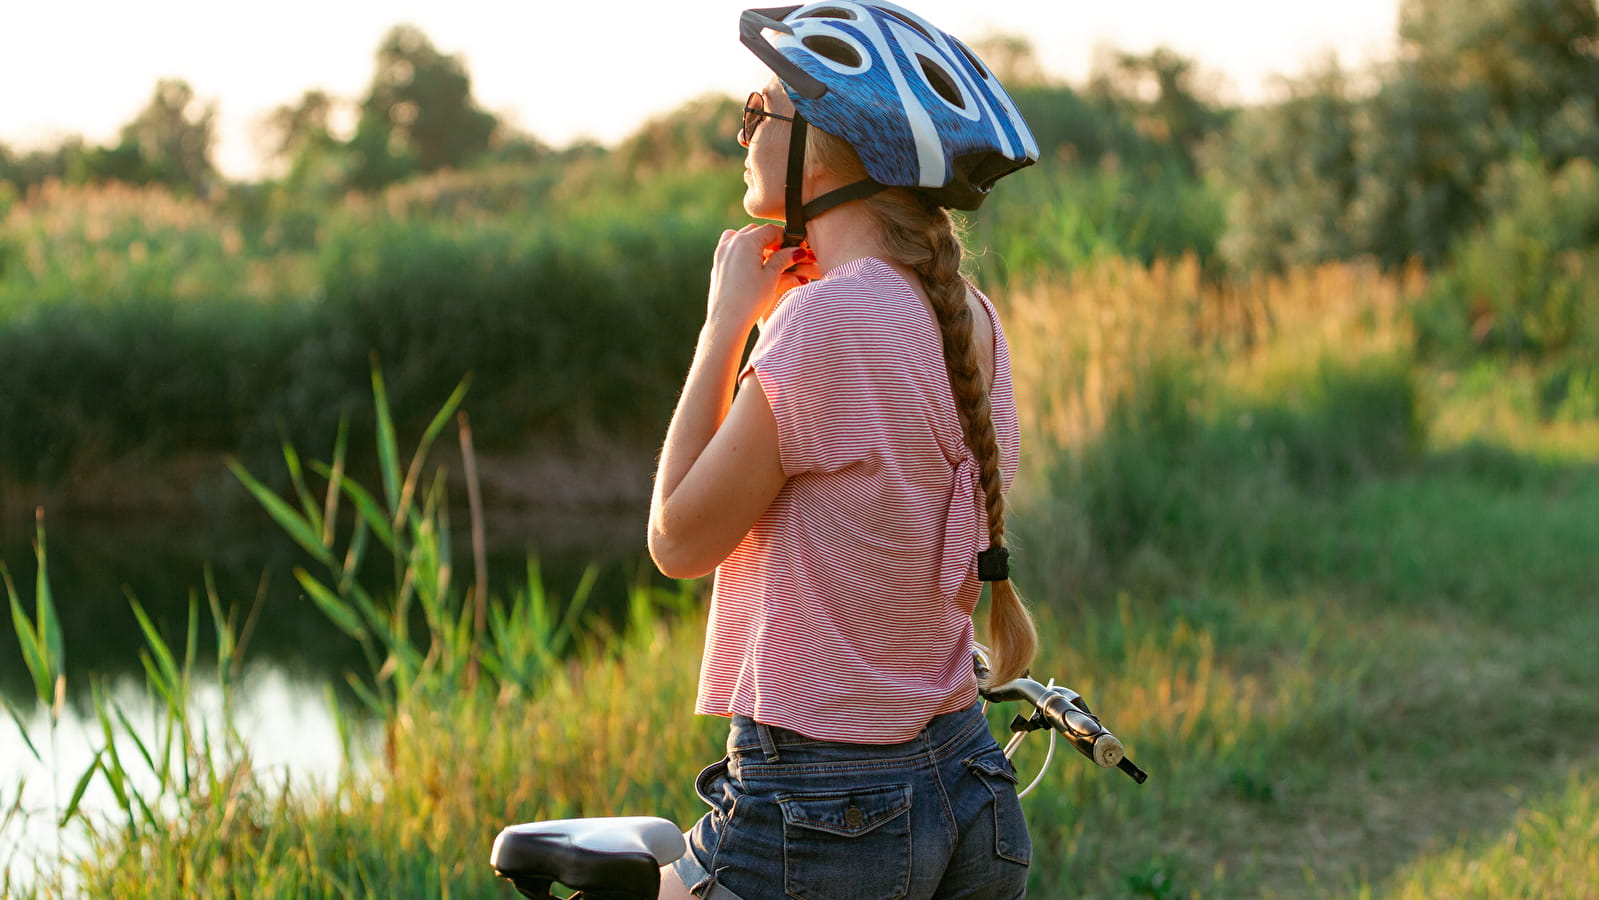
793,817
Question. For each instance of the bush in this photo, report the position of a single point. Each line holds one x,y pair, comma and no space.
1393,164
1526,284
1059,217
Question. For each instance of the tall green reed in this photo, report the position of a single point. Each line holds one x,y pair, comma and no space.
39,639
186,801
432,637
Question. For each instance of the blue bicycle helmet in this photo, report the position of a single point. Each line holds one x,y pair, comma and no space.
917,105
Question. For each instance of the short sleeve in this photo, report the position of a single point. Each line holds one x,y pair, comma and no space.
814,364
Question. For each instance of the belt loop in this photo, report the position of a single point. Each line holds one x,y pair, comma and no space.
768,746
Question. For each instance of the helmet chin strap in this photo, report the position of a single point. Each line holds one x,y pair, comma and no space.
793,199
796,211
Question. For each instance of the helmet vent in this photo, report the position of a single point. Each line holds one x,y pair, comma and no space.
834,49
907,20
941,82
827,12
972,58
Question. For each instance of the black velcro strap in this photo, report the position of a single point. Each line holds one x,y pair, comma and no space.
793,193
993,564
862,189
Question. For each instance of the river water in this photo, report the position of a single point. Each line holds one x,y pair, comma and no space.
280,699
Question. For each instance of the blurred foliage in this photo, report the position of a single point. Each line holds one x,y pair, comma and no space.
1397,168
23,171
300,136
1137,110
1117,166
170,139
134,321
418,114
184,314
168,143
1169,412
699,136
1074,215
1160,91
1292,170
1525,284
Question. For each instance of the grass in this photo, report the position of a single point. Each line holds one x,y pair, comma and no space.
1338,603
1374,566
1547,850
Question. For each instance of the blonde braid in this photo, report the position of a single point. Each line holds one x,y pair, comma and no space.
924,237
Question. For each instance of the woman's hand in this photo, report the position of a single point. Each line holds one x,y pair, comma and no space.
752,270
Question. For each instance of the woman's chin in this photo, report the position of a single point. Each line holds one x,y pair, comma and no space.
759,207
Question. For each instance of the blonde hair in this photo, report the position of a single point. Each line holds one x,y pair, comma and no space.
924,237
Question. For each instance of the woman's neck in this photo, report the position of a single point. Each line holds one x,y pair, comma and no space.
850,232
845,234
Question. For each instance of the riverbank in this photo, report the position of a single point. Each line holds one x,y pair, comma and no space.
1412,717
517,483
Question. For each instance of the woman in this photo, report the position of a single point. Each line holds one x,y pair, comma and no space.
847,484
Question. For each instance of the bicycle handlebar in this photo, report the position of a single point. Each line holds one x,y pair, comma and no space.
1065,711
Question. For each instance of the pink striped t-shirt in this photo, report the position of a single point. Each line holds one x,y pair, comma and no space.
846,612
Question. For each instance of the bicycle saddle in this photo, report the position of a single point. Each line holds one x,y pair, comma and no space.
605,857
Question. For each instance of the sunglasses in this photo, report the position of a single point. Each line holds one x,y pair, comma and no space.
754,112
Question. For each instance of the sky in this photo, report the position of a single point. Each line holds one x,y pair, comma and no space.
570,70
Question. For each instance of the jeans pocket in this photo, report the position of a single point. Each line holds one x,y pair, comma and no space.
717,788
847,845
705,783
1011,840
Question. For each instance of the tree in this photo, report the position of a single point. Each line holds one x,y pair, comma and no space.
1403,171
697,136
1523,59
297,128
1293,165
124,162
1162,86
1474,85
418,114
25,170
300,135
169,141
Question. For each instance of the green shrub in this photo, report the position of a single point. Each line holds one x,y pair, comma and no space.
1063,217
1526,284
1392,162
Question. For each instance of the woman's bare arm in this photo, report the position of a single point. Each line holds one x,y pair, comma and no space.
720,469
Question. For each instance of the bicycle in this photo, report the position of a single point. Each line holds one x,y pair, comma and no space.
619,857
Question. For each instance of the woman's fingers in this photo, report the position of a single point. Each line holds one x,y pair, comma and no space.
796,256
799,267
753,269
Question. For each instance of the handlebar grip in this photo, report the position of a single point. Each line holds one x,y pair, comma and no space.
1091,739
1063,710
1108,751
